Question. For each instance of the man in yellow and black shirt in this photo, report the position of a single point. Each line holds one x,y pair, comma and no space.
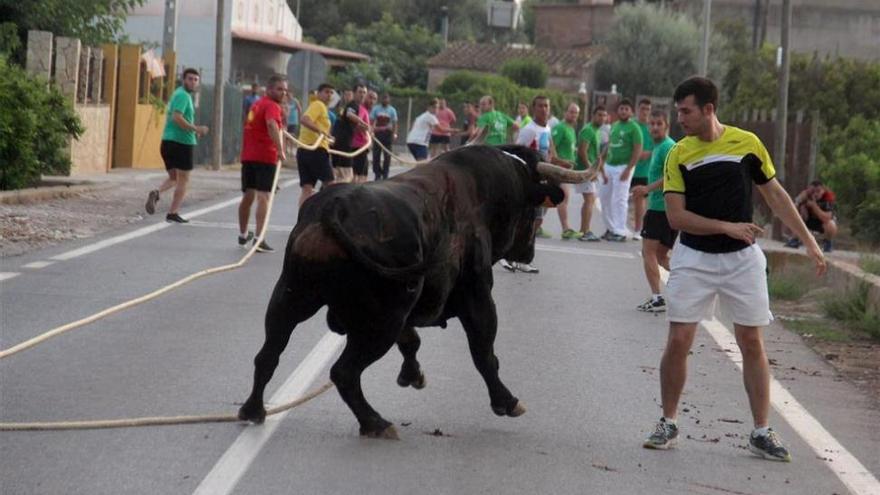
708,181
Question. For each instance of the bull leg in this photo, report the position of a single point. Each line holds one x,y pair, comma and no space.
286,309
410,371
359,353
480,323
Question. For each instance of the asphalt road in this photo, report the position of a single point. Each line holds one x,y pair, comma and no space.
571,347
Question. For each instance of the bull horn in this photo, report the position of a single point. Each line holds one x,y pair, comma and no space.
564,176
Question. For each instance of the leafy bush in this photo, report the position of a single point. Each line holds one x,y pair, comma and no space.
852,308
529,72
470,86
34,138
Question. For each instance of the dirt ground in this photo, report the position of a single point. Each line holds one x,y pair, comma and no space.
119,201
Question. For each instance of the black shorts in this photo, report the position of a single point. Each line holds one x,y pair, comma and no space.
438,139
638,181
656,227
257,175
177,155
341,161
313,166
815,225
360,163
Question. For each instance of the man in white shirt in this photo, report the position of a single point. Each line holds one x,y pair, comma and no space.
420,133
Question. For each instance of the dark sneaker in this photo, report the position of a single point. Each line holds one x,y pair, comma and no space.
653,305
152,199
827,246
264,248
589,237
507,266
244,239
174,217
769,446
616,237
606,235
665,436
525,267
793,243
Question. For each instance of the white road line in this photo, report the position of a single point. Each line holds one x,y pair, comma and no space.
851,472
590,252
8,275
91,248
234,463
857,478
38,264
234,226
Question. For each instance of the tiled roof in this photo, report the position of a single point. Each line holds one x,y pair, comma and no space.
490,57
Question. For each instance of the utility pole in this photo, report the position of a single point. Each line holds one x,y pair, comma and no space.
704,50
217,131
169,33
445,25
782,99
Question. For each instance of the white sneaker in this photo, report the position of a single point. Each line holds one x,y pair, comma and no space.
637,237
525,267
506,265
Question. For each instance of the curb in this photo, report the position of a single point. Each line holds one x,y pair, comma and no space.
37,194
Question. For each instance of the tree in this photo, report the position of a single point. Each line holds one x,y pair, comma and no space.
399,52
530,72
92,21
651,50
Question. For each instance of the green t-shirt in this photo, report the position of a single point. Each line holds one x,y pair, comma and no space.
181,101
565,141
655,172
496,123
589,135
642,166
624,135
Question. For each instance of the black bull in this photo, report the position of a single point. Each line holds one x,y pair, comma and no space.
413,251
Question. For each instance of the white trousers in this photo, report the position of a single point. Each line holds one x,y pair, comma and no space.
614,197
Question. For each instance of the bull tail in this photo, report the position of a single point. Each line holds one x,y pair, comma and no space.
332,222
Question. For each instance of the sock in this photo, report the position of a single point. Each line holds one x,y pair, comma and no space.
656,297
760,432
669,421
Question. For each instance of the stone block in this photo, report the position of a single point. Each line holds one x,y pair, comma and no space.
39,54
67,61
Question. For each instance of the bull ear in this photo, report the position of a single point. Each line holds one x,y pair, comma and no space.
547,193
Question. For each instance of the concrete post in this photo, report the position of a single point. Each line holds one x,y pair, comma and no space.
96,83
67,65
39,54
83,80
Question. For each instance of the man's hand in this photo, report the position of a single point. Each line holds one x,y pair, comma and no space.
603,175
625,175
818,258
201,130
638,191
281,154
743,231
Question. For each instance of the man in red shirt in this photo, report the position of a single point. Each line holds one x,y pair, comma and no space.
262,149
440,138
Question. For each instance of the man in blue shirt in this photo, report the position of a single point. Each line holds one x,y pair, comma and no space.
384,119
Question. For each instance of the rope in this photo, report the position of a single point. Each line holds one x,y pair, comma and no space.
156,293
155,420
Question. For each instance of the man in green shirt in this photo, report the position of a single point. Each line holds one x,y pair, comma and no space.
565,142
493,126
624,150
178,144
640,174
588,157
657,236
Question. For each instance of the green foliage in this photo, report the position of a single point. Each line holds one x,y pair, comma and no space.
359,73
789,285
9,41
470,86
650,50
530,72
399,53
852,308
851,168
92,21
870,264
33,138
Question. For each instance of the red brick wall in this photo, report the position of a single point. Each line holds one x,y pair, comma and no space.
571,25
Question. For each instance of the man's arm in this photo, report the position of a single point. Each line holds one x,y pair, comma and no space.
644,190
686,221
583,148
277,137
554,158
633,159
818,212
177,118
782,206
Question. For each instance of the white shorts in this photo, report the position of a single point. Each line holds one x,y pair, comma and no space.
737,279
588,187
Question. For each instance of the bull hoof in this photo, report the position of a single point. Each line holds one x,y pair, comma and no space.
516,410
389,433
254,414
418,383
